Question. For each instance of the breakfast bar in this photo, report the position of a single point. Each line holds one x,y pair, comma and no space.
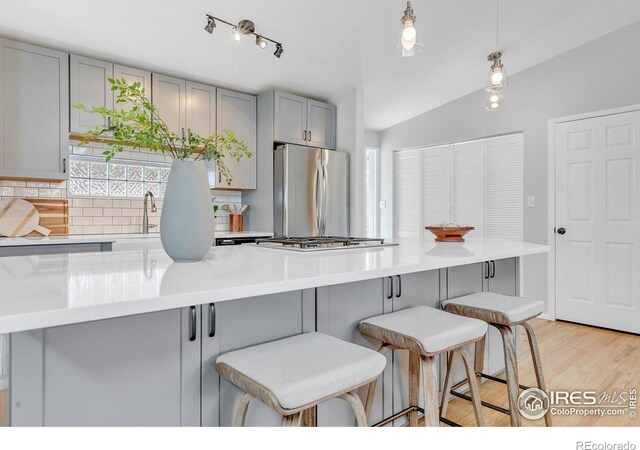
131,337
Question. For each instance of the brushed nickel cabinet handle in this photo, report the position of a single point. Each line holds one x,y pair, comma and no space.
212,319
193,326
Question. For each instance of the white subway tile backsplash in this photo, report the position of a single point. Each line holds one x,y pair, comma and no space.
92,212
82,202
11,183
122,203
102,203
102,220
6,191
26,192
37,184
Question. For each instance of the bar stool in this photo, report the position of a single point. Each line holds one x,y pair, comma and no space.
502,312
295,374
425,332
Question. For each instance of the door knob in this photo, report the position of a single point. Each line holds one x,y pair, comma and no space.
561,231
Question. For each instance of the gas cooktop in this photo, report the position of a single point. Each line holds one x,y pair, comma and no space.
321,243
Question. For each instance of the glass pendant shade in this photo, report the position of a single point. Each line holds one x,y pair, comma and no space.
494,101
497,80
408,45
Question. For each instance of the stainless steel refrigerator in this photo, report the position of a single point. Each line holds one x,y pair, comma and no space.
311,191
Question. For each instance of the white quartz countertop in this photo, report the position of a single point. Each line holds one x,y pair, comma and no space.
50,290
101,238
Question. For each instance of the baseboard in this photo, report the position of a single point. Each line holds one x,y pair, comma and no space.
546,316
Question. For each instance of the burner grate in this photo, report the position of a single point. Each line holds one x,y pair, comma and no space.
320,242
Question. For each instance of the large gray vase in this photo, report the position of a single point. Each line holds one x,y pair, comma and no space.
186,223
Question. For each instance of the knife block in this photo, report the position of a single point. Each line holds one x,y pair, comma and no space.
235,223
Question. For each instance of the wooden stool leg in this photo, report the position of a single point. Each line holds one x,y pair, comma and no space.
353,399
446,390
241,412
292,420
430,385
309,417
473,385
479,356
414,386
511,371
371,392
537,365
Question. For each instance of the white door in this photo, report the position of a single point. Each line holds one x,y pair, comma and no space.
597,218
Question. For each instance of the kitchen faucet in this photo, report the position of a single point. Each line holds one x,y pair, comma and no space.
145,214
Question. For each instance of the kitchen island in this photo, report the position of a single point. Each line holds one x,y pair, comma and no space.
130,338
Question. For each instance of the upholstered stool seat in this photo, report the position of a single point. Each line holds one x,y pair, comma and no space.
425,332
297,373
502,312
495,308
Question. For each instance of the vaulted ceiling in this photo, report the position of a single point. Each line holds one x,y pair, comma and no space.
330,45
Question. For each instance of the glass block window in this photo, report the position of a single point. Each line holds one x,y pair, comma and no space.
90,176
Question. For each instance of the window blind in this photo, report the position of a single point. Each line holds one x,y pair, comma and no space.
408,193
436,186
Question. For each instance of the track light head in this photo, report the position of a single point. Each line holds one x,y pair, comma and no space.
211,24
261,42
237,36
279,51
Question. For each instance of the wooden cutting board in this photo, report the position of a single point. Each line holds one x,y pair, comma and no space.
54,215
19,218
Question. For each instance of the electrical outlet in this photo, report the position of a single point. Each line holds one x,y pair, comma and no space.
383,204
531,202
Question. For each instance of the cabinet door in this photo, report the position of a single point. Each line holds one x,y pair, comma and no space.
339,311
201,109
290,118
34,111
89,86
131,75
413,289
237,112
242,323
321,124
169,98
140,370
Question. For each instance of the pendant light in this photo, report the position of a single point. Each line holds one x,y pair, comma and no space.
497,80
408,45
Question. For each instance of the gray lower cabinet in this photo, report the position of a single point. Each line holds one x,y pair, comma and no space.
409,290
141,370
55,249
34,111
340,309
240,324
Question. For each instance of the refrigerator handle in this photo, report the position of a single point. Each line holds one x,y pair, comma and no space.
318,197
324,196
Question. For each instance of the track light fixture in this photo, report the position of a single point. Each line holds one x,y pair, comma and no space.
261,42
244,28
211,24
279,51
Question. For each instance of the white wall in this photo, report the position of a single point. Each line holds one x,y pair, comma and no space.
602,74
350,139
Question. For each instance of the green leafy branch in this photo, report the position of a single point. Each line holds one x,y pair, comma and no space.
135,122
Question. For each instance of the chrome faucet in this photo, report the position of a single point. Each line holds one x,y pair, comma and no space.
145,214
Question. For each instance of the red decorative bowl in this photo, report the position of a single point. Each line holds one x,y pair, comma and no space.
449,234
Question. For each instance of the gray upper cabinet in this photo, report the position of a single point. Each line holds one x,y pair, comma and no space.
302,121
201,109
34,111
290,118
237,112
321,124
170,99
89,86
132,75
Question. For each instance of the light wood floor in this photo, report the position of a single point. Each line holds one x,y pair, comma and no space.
574,357
4,408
